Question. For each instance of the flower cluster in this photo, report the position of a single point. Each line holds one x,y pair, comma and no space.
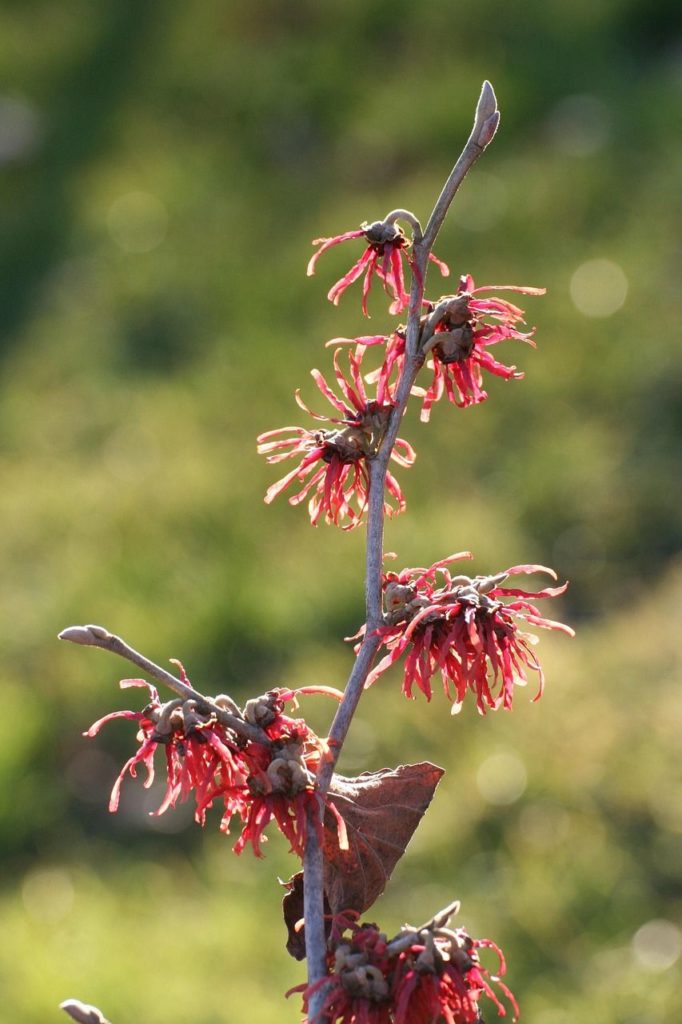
464,327
422,976
387,245
463,628
255,780
334,462
456,334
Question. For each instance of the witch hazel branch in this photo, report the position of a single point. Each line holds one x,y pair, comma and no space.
264,766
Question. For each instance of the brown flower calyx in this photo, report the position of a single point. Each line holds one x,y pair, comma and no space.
262,711
286,773
455,345
361,979
449,328
455,311
381,233
348,444
441,946
474,591
185,717
192,718
359,440
402,600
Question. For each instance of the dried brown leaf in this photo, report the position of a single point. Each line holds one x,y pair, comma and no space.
381,811
292,908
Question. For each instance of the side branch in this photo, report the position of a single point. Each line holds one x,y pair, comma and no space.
98,636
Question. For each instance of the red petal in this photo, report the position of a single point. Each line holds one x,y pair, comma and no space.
327,243
443,267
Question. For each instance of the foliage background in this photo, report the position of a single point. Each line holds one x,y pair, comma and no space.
163,169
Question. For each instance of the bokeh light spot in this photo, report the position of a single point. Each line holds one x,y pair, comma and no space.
20,130
579,125
502,778
137,222
657,944
47,894
599,288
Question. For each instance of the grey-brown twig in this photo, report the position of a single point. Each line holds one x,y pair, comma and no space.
313,900
486,121
98,636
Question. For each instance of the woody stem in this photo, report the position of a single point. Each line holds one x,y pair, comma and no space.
485,124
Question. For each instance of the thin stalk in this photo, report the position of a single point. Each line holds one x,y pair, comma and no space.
98,636
486,121
313,900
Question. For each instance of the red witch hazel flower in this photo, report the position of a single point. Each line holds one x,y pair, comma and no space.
465,629
441,978
422,976
334,462
456,335
464,331
198,750
387,245
257,781
281,780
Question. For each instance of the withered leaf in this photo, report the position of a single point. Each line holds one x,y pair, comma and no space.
381,811
292,908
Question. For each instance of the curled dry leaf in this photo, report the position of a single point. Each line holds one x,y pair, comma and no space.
292,908
381,811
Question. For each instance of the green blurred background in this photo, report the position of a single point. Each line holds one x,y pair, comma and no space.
164,167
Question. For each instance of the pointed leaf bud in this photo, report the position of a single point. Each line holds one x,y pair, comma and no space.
487,117
83,1013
